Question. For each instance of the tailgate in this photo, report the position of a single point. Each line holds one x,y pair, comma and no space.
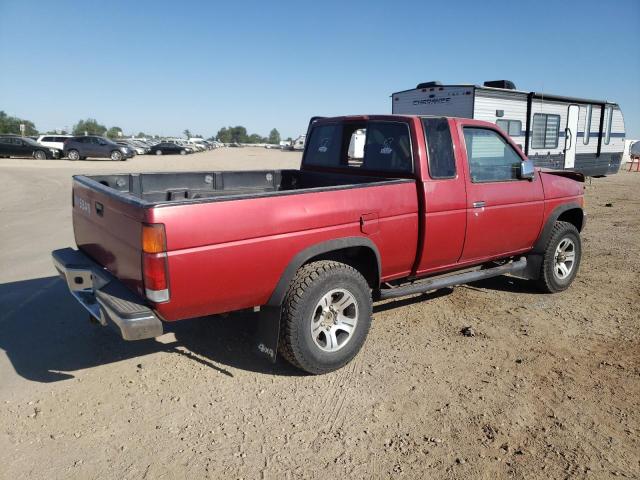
108,229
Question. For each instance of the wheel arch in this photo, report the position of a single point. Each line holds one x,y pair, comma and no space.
570,212
358,252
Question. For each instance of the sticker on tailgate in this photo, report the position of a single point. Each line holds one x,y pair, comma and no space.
82,204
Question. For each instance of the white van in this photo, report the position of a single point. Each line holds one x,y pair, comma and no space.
53,141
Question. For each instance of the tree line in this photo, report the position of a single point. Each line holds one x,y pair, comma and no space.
90,126
239,134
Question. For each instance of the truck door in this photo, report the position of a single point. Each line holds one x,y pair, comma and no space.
504,213
570,137
445,199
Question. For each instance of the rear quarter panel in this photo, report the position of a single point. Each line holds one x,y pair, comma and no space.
229,255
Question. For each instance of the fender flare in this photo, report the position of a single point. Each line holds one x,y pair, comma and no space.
541,244
277,297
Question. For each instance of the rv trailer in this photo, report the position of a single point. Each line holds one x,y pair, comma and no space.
554,131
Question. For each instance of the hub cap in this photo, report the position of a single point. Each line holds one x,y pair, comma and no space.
334,320
565,257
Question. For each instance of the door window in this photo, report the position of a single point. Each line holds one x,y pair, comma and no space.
491,158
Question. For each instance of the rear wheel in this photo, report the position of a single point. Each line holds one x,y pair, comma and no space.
116,155
325,317
561,258
73,155
39,155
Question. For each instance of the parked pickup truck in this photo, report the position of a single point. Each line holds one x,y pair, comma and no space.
424,203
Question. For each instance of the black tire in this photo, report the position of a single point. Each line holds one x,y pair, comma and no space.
73,155
158,152
40,155
313,283
116,155
552,277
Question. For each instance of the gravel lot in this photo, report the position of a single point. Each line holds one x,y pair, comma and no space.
549,386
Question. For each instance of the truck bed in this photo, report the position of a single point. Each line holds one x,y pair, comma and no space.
234,232
151,189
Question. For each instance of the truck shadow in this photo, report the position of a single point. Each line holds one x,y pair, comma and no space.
47,336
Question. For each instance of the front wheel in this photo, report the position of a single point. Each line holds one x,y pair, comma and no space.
39,155
325,317
73,155
116,156
158,152
561,258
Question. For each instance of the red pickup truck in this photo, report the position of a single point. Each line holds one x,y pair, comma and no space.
383,206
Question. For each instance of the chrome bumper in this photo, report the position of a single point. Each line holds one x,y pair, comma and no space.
105,297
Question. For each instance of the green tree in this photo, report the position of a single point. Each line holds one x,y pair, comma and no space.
187,133
142,135
274,136
239,134
90,126
114,132
224,135
9,124
255,138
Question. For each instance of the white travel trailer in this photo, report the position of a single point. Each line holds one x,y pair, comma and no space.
556,132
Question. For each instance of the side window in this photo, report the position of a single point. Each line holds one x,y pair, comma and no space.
546,131
388,147
442,161
512,127
5,140
490,157
587,125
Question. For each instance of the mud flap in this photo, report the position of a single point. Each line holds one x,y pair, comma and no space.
268,332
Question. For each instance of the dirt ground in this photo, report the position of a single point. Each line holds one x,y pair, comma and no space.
549,386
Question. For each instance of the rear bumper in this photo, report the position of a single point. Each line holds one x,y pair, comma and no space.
105,297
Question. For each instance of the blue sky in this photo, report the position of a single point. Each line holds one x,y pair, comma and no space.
161,67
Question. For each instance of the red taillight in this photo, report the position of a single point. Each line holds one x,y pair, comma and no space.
154,263
156,282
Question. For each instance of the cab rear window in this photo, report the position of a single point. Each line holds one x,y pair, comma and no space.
381,146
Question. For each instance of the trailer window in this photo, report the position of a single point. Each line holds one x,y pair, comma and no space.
442,162
491,158
587,125
512,127
546,130
608,122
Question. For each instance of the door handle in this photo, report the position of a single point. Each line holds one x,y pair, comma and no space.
479,204
568,139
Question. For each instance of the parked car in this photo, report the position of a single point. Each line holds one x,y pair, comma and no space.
313,247
17,146
53,141
79,148
168,148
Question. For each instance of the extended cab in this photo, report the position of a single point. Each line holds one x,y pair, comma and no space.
418,204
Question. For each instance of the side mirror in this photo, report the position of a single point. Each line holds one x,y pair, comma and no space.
527,170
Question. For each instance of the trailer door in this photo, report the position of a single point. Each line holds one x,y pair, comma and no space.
571,136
